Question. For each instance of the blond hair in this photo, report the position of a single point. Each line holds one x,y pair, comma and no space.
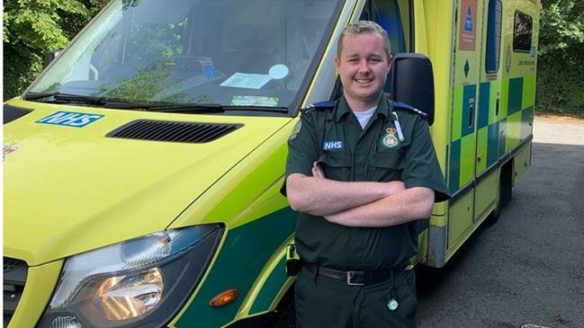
364,27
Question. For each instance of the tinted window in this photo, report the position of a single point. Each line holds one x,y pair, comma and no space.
387,14
494,36
522,32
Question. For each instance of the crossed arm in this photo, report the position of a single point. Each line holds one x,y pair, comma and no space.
358,204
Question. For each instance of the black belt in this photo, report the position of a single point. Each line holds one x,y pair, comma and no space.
354,278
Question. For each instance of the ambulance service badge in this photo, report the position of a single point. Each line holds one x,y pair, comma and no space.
390,139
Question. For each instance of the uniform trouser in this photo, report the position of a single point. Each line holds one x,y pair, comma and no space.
323,302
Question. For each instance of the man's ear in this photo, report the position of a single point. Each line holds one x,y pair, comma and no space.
390,63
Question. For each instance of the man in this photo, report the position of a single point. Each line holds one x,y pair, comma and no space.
360,172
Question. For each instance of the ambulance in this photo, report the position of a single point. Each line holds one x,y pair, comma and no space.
143,167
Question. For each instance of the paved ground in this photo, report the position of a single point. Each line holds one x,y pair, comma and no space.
527,271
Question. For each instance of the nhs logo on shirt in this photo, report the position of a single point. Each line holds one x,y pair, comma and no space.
72,119
333,145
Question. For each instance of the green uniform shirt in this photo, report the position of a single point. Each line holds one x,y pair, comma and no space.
334,137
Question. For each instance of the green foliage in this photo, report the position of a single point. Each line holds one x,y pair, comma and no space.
147,82
155,41
33,27
559,87
561,58
562,27
21,65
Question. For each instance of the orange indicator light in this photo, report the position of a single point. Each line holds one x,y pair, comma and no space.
224,298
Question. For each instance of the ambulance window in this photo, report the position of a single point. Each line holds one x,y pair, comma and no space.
388,15
494,36
149,40
522,32
224,52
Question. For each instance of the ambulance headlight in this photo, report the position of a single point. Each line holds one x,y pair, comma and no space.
140,282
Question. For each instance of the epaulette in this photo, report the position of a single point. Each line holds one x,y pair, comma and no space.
406,107
318,106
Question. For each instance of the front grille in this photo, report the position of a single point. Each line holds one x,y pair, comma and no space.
15,272
188,132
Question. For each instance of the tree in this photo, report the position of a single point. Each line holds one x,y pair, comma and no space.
561,57
33,27
562,27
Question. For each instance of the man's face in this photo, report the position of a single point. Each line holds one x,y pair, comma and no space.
363,66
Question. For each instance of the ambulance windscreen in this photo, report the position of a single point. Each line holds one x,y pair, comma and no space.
227,52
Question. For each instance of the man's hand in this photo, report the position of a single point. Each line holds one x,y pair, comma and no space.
317,171
320,196
407,205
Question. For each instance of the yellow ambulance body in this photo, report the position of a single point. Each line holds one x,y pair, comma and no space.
142,169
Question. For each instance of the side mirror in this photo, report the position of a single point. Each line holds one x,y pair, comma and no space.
51,55
412,82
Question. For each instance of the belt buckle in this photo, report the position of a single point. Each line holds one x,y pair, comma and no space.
350,282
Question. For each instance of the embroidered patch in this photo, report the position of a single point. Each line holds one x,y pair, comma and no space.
390,140
333,145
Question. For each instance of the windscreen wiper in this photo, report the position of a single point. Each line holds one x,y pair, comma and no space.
197,108
166,107
171,107
66,98
248,108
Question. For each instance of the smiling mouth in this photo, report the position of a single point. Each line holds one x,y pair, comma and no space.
363,81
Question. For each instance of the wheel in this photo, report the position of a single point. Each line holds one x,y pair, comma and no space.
504,196
286,312
496,213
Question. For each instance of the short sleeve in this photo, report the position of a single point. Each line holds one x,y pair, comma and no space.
421,164
302,148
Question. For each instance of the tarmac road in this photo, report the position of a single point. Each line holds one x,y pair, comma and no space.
526,271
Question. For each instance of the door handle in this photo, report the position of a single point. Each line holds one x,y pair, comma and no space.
471,109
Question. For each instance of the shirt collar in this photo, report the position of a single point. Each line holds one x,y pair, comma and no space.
342,109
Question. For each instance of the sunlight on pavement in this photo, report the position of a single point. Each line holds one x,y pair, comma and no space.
559,130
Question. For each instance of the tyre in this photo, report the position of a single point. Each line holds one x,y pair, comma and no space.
286,312
504,195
